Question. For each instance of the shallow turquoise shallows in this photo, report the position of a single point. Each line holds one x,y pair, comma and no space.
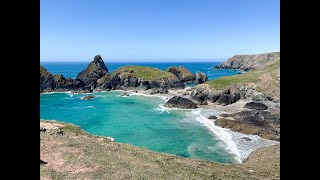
137,120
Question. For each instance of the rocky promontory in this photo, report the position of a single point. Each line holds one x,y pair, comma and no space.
250,62
182,73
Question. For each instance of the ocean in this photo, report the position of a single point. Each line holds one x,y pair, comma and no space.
143,121
71,69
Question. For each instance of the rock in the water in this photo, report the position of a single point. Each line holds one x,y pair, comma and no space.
246,139
95,70
125,94
201,78
182,73
88,97
180,102
255,105
212,117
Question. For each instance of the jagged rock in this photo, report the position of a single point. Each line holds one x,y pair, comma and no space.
46,80
95,70
161,91
88,97
182,73
255,105
201,78
212,117
63,84
180,102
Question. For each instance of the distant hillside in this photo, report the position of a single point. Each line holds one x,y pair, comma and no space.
266,79
250,62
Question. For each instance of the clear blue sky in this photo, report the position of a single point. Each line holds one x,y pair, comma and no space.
158,30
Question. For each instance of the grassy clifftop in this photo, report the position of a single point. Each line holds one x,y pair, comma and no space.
144,72
71,153
267,80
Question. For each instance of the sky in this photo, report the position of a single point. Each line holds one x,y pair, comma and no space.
157,30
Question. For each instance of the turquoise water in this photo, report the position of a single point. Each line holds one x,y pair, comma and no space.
137,120
71,69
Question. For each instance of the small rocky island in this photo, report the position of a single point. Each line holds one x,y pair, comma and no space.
180,102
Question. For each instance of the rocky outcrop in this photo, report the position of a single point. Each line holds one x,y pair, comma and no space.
203,93
95,70
50,82
201,78
182,73
250,62
255,105
180,102
140,77
46,80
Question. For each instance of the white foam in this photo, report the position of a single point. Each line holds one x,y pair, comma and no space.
81,107
233,141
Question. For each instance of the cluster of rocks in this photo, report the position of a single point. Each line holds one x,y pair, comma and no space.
97,77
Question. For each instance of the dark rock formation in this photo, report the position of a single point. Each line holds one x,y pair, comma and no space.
255,105
246,139
203,93
42,162
182,73
63,84
250,62
95,70
157,91
180,102
212,117
201,78
46,80
88,97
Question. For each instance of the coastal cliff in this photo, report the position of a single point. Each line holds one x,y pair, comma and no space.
250,62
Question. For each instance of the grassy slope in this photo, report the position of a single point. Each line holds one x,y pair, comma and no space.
144,72
266,79
79,155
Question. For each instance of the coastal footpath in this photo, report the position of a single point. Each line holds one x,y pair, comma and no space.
67,152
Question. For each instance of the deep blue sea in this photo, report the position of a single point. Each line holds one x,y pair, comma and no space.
71,69
143,121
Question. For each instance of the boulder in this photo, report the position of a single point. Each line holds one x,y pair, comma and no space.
246,139
180,102
255,105
201,78
212,117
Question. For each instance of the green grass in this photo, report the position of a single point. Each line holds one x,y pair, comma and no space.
251,76
144,72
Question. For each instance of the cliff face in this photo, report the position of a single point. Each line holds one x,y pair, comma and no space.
250,62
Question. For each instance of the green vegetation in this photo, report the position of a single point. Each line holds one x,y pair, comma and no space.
266,79
76,155
144,72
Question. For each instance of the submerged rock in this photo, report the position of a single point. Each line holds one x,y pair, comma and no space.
246,139
125,94
212,117
255,105
88,97
180,102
